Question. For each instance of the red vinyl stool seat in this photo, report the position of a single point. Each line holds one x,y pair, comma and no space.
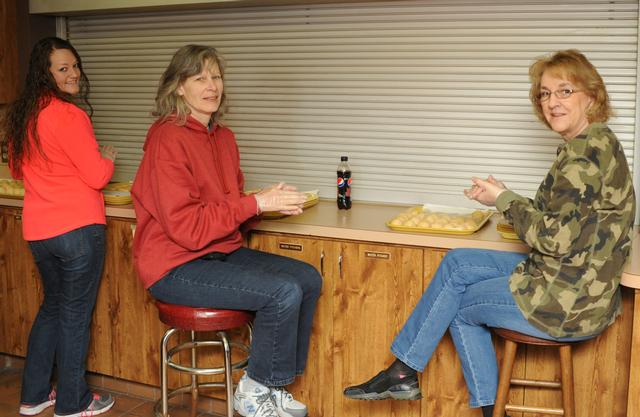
197,319
511,341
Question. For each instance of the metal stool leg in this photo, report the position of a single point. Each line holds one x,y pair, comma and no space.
505,378
194,377
566,369
163,371
228,381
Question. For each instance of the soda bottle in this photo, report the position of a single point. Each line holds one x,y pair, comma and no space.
344,184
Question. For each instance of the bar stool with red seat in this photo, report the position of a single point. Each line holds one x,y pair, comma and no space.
192,319
511,341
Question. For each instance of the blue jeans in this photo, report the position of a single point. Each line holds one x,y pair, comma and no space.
282,291
70,266
469,294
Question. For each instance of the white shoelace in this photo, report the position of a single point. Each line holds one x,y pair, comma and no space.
266,408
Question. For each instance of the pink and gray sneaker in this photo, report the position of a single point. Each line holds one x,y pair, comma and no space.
101,403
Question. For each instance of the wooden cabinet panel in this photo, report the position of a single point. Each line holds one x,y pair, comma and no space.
374,293
633,402
443,386
313,388
20,286
368,292
9,69
126,331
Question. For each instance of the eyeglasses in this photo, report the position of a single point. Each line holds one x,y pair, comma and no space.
562,94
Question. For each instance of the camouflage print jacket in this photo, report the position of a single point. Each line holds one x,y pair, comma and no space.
579,229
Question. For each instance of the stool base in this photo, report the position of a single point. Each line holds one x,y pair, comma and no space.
511,341
162,405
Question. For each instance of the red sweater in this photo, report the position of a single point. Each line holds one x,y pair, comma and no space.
62,191
188,197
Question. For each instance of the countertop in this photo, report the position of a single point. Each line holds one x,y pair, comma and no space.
366,221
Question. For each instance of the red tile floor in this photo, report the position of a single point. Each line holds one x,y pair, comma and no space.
126,405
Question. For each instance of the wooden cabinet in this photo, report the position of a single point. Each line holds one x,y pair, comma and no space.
368,292
374,293
20,287
313,388
126,331
9,68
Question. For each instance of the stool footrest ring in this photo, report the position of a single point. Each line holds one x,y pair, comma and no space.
539,410
536,383
205,371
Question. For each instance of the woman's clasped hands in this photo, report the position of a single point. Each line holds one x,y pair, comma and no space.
485,191
281,197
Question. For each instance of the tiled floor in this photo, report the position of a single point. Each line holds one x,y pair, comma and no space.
125,406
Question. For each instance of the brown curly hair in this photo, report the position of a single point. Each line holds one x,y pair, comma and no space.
571,65
40,87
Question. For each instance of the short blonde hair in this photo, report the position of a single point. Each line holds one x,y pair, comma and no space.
573,66
186,62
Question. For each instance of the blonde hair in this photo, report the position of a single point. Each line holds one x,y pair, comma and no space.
188,61
573,66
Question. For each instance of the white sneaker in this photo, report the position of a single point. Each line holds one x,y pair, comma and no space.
253,399
286,405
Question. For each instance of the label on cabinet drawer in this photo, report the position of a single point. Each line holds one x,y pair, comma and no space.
290,246
377,255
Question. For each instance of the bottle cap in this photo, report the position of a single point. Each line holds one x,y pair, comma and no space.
344,158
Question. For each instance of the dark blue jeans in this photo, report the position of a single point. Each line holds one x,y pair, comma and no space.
468,295
70,266
282,291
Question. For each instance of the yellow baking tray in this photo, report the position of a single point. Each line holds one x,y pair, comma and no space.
506,231
117,193
471,220
509,235
11,188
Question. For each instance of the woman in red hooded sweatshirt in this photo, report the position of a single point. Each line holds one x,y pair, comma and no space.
192,214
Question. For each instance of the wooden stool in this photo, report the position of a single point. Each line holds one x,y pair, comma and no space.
511,341
194,320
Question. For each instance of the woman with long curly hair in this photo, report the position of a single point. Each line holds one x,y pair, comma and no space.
52,148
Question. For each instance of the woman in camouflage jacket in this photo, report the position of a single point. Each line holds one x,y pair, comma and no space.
578,227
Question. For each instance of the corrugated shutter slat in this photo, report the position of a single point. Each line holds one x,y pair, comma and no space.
419,94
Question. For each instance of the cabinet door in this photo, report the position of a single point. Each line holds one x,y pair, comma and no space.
126,330
9,80
313,387
443,386
20,286
375,290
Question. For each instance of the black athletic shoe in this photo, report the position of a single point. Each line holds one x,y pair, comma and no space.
382,386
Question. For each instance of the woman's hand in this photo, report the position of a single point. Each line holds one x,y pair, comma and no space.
485,191
109,152
281,197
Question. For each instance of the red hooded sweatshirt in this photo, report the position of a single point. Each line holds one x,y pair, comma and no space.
188,197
